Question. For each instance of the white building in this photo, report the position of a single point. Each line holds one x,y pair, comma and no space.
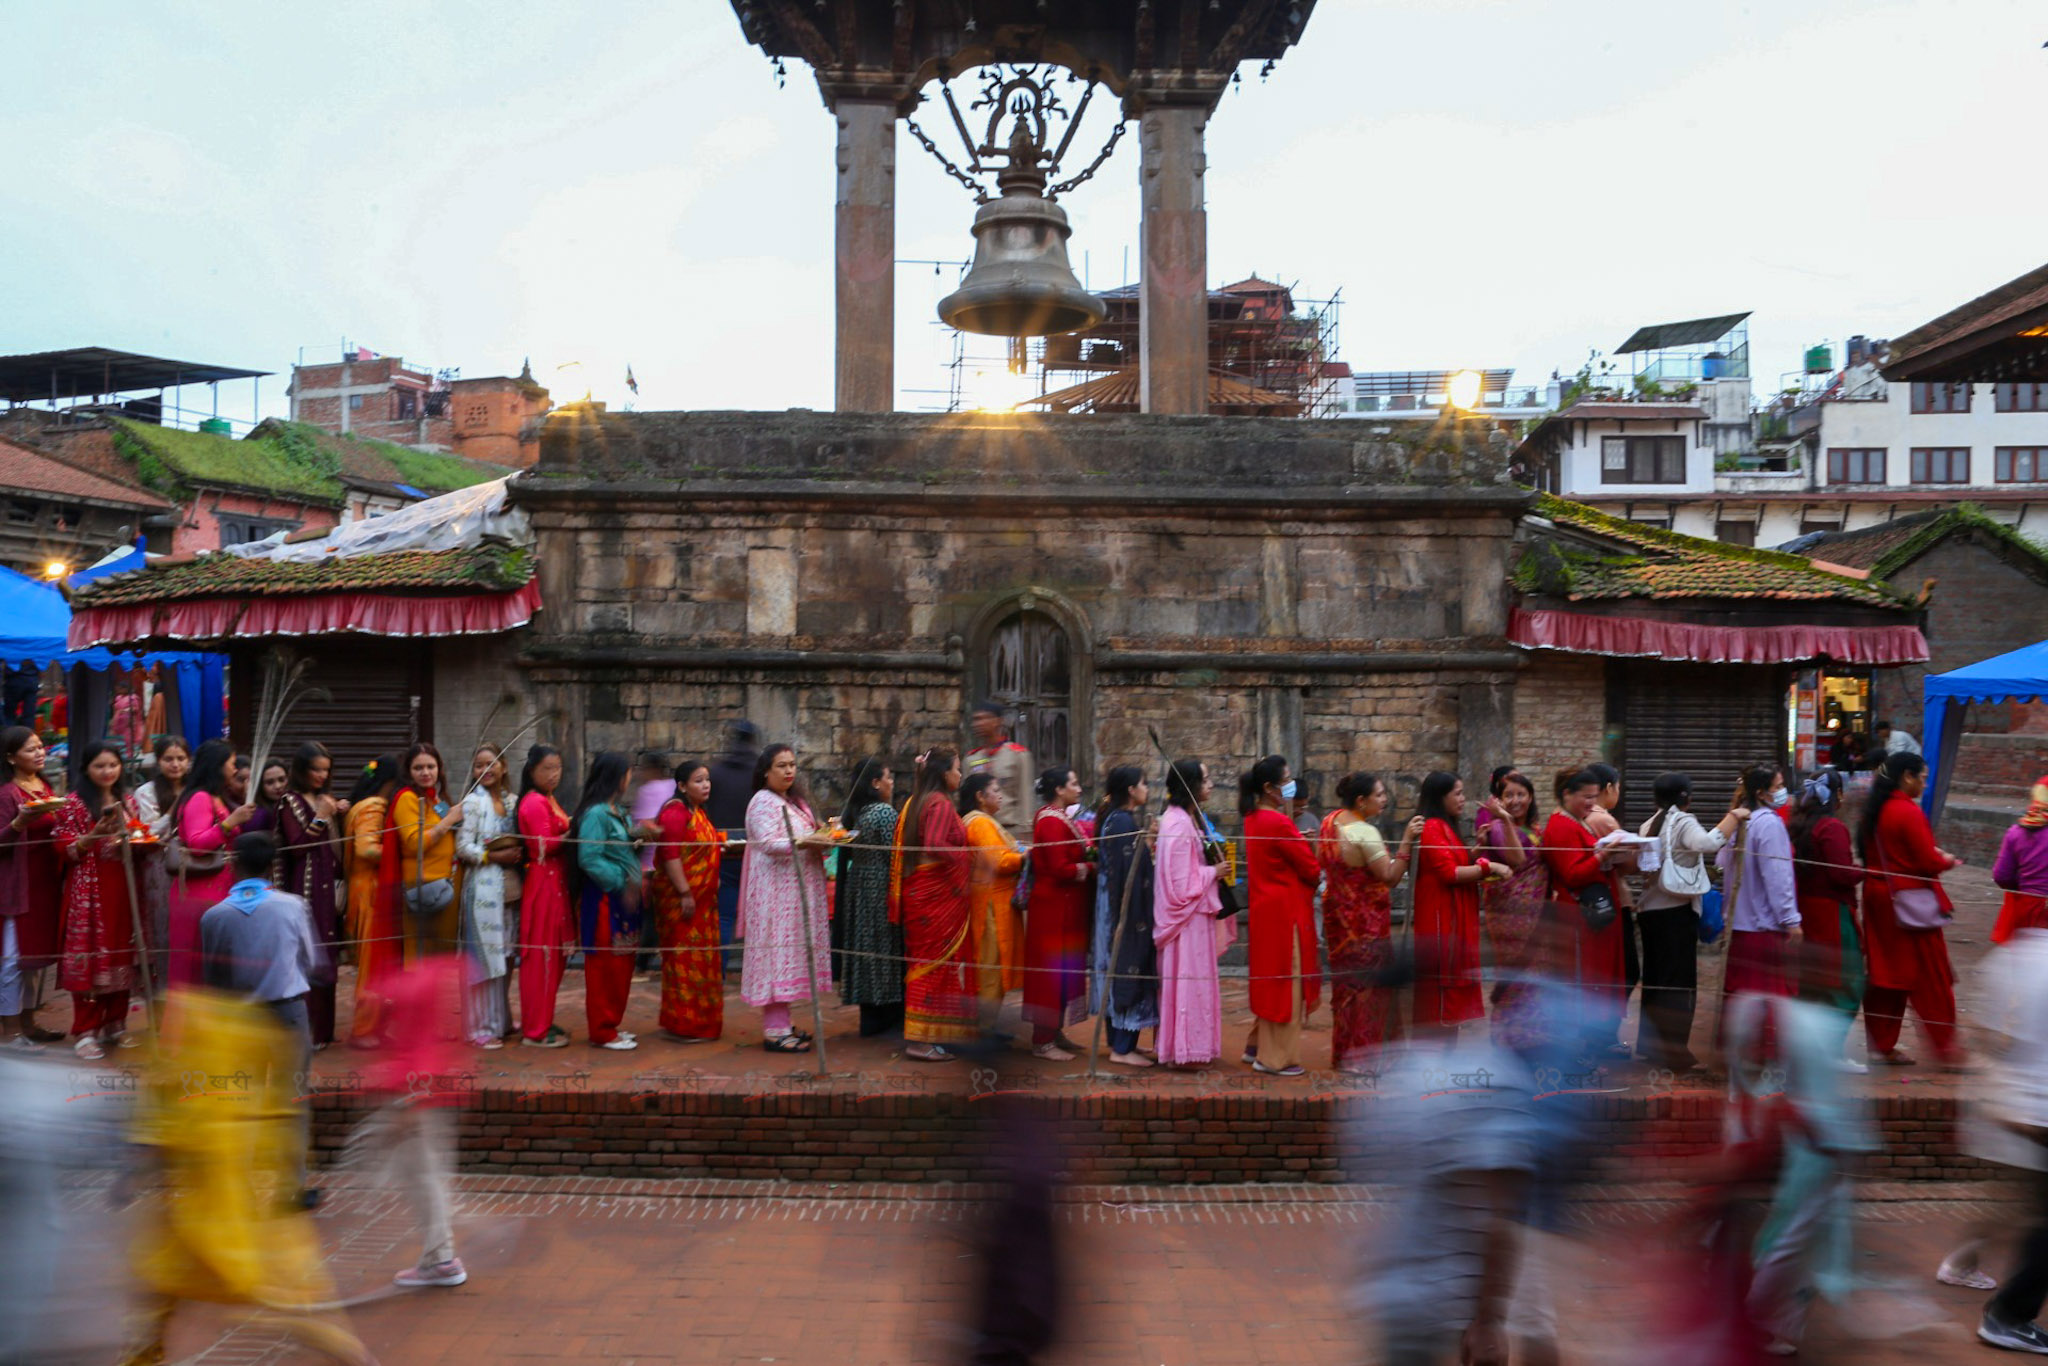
1605,451
1413,395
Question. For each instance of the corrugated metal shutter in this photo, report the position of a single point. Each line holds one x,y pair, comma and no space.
1708,720
370,708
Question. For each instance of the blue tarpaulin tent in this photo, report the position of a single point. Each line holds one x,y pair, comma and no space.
2020,676
35,627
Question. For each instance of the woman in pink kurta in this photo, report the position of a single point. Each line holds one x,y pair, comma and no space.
782,887
1184,926
204,823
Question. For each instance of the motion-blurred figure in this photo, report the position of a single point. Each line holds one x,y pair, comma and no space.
408,1142
222,1117
1020,1285
2013,1126
52,1283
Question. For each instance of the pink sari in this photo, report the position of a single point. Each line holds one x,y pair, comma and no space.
1184,906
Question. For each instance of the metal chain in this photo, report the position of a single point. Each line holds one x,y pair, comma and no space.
980,195
1116,136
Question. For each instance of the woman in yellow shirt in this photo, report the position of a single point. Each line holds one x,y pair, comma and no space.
424,821
373,930
993,922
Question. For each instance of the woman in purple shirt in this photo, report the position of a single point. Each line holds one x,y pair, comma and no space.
2022,870
1763,916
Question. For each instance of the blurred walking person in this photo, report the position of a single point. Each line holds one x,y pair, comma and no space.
1003,759
2015,1021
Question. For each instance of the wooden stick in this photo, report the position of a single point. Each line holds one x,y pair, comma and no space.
141,940
810,947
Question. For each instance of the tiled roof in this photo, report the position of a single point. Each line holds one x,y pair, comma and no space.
485,568
1889,547
1648,562
33,472
2012,308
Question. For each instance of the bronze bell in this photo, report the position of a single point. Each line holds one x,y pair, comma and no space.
1021,284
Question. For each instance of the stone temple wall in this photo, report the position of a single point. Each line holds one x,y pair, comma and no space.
1329,591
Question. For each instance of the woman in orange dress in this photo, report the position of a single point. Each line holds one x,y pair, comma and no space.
683,889
995,925
373,924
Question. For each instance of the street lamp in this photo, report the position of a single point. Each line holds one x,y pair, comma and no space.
55,570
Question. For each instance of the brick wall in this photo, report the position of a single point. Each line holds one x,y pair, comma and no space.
1560,715
1982,606
1243,1137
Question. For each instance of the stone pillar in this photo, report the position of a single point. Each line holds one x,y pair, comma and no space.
864,231
1173,291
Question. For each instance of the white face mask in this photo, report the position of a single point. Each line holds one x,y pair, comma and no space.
1287,789
1778,798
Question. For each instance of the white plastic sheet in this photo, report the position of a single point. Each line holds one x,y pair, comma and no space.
451,521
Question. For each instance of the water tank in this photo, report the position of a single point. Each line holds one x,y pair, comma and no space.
1712,365
1819,359
217,426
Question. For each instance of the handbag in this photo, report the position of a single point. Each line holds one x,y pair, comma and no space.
1229,898
181,859
1917,908
430,898
1596,904
1676,878
1713,916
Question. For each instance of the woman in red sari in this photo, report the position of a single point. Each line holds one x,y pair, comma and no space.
1907,965
98,962
1575,865
31,883
1358,922
1282,873
683,889
1057,917
1447,878
545,925
935,858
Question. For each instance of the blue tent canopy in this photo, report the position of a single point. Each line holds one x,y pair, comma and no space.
2018,676
35,628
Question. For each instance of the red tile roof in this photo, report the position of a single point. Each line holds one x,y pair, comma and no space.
485,568
2014,308
33,472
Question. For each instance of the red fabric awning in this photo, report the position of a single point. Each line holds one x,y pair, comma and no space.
373,614
1580,633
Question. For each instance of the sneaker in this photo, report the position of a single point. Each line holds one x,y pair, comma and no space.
23,1043
1972,1279
1851,1066
2014,1337
622,1044
556,1037
446,1273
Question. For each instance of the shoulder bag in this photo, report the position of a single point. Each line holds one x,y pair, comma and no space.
1674,877
182,859
1917,908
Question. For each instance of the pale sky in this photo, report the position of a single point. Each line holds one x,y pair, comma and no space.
1488,182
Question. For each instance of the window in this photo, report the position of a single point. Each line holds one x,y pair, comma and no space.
407,405
1941,464
355,402
1642,460
1855,465
2020,464
2019,398
1940,398
1735,533
237,530
1807,526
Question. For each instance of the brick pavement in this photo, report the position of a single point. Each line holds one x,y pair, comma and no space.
726,1273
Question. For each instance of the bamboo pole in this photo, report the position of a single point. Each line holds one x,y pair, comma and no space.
1116,940
141,940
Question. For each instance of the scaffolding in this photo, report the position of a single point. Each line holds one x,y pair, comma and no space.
1271,352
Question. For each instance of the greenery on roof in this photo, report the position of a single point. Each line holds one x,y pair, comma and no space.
361,457
1672,564
173,462
1961,517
